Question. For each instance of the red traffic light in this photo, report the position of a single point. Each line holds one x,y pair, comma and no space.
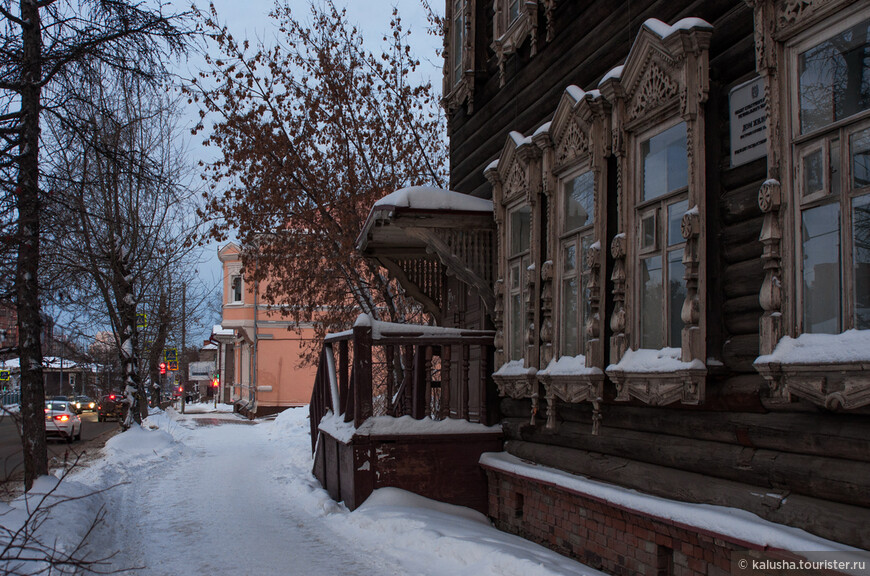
163,367
215,383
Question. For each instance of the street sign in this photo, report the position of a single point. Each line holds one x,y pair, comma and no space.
4,376
173,365
170,355
141,320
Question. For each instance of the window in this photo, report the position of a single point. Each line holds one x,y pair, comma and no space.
831,152
519,234
513,22
459,54
235,289
662,286
577,229
458,33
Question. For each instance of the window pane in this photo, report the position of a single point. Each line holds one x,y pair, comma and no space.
820,233
665,162
834,170
834,78
579,205
516,327
813,170
651,302
861,257
521,220
648,230
514,10
570,333
458,40
675,219
569,258
860,146
676,296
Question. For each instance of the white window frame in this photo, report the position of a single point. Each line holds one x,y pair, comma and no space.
232,291
459,64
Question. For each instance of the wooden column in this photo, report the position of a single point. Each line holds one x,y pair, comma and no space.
444,411
362,377
343,373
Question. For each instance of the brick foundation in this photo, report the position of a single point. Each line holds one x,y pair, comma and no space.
602,535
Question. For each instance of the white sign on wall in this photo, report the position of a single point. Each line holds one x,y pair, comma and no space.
748,120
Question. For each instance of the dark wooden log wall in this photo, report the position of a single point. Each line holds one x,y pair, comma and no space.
736,446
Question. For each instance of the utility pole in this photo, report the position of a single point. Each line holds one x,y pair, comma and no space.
182,361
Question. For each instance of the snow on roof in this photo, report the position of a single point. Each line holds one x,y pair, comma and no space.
578,93
663,30
53,362
218,330
731,522
518,138
515,368
850,346
491,166
430,198
381,329
644,360
543,128
613,73
569,366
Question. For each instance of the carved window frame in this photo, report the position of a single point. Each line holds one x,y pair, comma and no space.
664,82
459,70
783,30
575,143
516,182
821,140
510,33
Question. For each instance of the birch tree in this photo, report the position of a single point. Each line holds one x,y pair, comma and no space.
312,131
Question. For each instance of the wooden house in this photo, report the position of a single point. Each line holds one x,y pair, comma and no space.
678,273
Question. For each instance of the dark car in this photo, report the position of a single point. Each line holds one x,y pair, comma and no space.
84,403
111,407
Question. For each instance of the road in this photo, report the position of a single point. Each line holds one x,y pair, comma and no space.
10,443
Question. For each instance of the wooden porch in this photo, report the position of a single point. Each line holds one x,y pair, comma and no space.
404,406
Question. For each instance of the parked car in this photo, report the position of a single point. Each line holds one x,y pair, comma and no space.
111,407
85,404
62,421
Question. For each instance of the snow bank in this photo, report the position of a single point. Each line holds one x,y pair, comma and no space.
52,519
423,534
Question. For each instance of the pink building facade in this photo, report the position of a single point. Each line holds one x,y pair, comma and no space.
260,367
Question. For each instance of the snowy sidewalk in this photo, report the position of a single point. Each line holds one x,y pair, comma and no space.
216,498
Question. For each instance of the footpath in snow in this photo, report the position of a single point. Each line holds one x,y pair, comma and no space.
212,494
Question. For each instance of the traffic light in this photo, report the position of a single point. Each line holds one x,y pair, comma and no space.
163,367
215,383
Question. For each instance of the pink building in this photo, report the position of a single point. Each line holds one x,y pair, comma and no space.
261,350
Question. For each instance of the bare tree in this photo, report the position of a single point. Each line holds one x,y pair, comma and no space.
48,50
123,185
312,132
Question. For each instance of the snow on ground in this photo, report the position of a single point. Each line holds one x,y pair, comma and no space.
212,493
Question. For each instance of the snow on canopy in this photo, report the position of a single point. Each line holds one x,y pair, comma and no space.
850,346
430,198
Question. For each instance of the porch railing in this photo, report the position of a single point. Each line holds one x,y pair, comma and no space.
381,368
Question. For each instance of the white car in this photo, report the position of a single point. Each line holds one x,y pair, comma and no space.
61,420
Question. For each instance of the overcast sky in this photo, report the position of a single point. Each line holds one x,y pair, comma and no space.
249,19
